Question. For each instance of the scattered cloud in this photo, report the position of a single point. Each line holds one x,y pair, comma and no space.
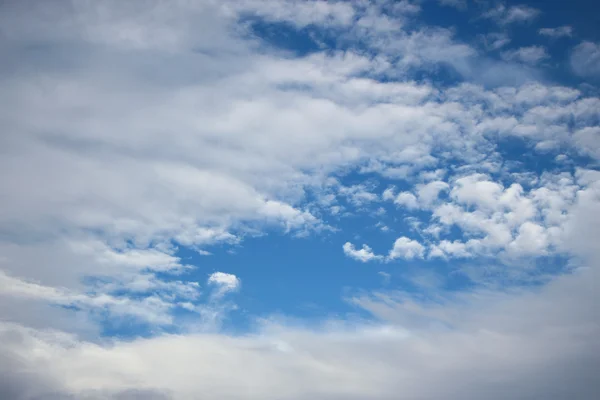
585,60
407,199
504,15
531,55
365,254
558,32
225,283
495,40
458,4
407,249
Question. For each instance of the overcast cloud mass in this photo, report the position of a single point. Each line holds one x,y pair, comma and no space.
299,199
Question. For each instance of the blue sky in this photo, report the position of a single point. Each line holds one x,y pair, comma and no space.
285,199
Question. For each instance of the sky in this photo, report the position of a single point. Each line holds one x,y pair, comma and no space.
299,199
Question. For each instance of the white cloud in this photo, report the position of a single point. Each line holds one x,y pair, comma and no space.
428,193
514,14
585,60
407,249
446,248
365,254
140,128
588,140
499,345
151,309
330,14
406,199
531,55
358,194
495,40
531,239
458,4
388,194
225,283
499,221
558,32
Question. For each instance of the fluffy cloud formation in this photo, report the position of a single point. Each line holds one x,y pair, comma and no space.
365,254
495,221
225,282
406,248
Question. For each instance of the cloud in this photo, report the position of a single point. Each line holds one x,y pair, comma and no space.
496,344
588,139
407,200
358,194
302,14
531,55
504,15
448,249
558,32
407,249
585,60
151,309
134,132
509,223
429,193
225,283
365,254
495,40
458,4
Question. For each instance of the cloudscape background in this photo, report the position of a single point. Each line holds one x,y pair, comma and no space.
299,199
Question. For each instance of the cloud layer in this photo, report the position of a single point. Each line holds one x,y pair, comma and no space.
136,133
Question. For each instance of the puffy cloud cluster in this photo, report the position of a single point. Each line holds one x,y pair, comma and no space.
494,220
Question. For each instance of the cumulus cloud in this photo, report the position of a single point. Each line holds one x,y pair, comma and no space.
224,282
448,249
406,248
365,254
585,60
407,199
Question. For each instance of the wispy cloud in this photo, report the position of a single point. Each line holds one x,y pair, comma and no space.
504,15
558,32
585,59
